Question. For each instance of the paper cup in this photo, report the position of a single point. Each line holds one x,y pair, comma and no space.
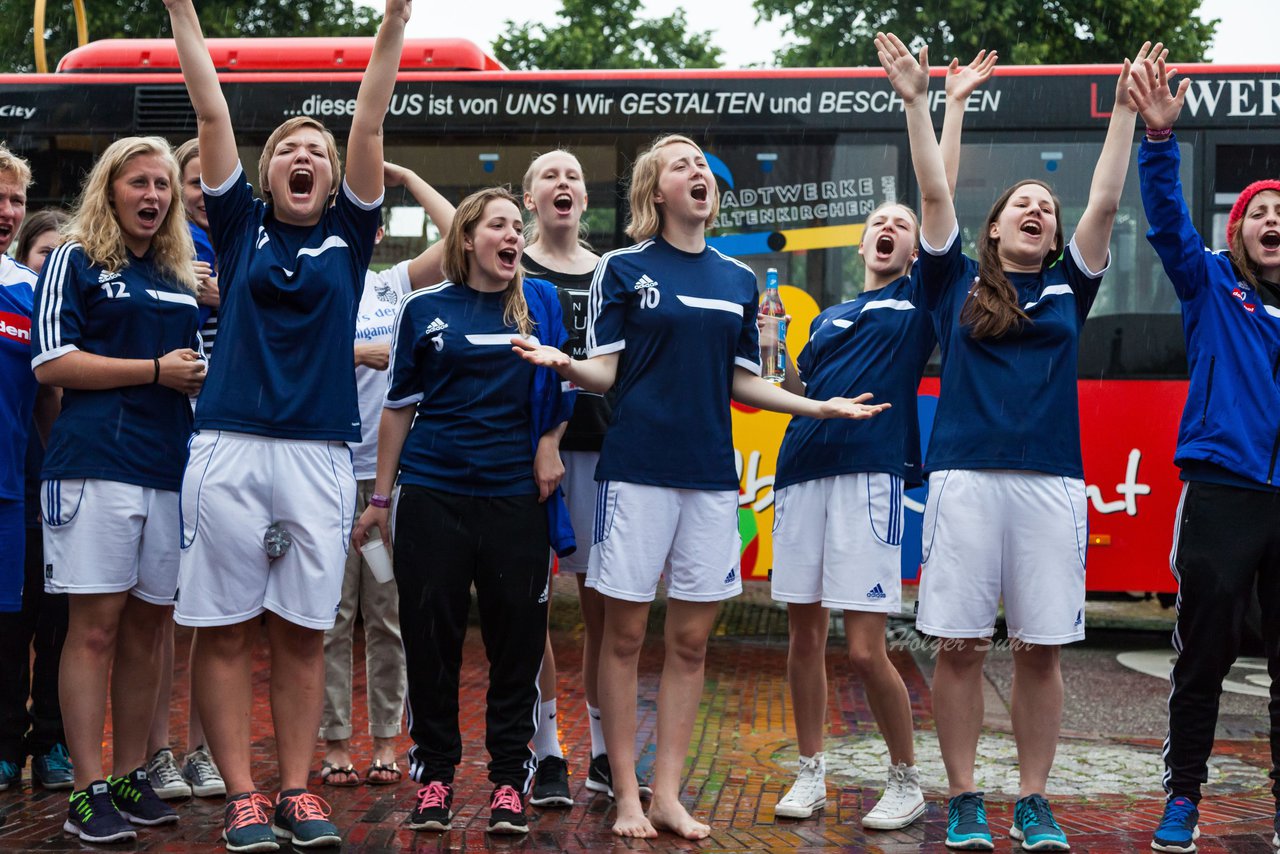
375,554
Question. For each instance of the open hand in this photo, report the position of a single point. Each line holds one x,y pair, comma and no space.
1150,94
542,355
909,77
963,80
854,408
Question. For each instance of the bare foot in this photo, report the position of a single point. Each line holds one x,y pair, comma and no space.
673,817
337,753
631,820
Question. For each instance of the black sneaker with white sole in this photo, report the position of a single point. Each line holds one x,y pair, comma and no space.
93,817
432,809
506,811
600,777
551,783
137,801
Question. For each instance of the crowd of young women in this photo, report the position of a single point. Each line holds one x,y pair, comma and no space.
510,396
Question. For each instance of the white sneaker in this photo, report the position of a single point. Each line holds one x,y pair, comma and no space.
166,779
902,802
808,793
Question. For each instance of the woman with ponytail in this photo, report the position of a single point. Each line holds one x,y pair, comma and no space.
1006,516
474,436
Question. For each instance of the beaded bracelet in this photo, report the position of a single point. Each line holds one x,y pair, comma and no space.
377,500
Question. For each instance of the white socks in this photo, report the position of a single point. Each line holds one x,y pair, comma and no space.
597,731
546,741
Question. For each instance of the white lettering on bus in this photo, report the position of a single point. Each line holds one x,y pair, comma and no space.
1129,490
755,484
1246,98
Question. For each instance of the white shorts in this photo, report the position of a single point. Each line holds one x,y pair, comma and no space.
645,532
235,487
579,485
1011,534
104,536
838,541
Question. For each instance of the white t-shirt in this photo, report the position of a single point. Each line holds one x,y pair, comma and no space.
375,323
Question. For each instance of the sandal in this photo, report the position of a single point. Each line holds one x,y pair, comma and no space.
328,769
378,768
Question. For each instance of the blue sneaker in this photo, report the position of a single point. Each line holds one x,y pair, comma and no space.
246,827
93,817
304,818
53,770
137,801
1178,830
1033,824
10,774
967,823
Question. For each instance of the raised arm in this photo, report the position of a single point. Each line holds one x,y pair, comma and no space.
910,79
218,154
962,81
425,269
364,144
1151,97
1093,234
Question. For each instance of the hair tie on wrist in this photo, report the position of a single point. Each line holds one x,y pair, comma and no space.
1159,134
377,500
156,379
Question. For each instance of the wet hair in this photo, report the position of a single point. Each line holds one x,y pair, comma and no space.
95,227
992,309
35,225
645,219
15,166
288,127
526,184
515,311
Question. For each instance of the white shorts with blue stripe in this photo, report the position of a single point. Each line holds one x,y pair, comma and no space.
838,540
1012,536
688,536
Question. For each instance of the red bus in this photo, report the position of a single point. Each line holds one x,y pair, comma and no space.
801,156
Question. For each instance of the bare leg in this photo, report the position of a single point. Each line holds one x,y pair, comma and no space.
195,728
592,605
807,673
624,629
1036,709
135,678
687,629
547,673
90,647
159,736
222,683
957,707
297,696
886,692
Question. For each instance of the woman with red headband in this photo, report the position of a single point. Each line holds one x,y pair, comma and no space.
1226,537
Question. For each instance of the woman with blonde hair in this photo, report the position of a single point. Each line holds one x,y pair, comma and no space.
474,437
269,485
116,329
673,327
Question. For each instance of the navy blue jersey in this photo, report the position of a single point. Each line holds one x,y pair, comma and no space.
208,314
133,434
681,322
452,358
878,342
287,319
1008,402
17,383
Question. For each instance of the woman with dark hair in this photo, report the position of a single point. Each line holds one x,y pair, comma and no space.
116,314
1226,542
471,433
1006,514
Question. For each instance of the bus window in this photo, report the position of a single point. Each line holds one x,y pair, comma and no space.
800,208
1134,329
1236,167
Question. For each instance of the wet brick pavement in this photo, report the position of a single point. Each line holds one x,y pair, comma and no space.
743,748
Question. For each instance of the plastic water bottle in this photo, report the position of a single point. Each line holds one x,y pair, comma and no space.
773,354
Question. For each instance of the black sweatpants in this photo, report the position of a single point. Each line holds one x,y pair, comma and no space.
444,544
1226,546
42,621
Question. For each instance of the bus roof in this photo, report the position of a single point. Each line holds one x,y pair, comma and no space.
299,55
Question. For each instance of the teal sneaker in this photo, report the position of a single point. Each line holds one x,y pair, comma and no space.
1179,827
1033,823
304,818
10,774
967,823
53,770
246,827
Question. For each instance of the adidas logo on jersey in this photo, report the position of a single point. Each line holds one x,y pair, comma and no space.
732,576
645,282
877,592
435,326
107,276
